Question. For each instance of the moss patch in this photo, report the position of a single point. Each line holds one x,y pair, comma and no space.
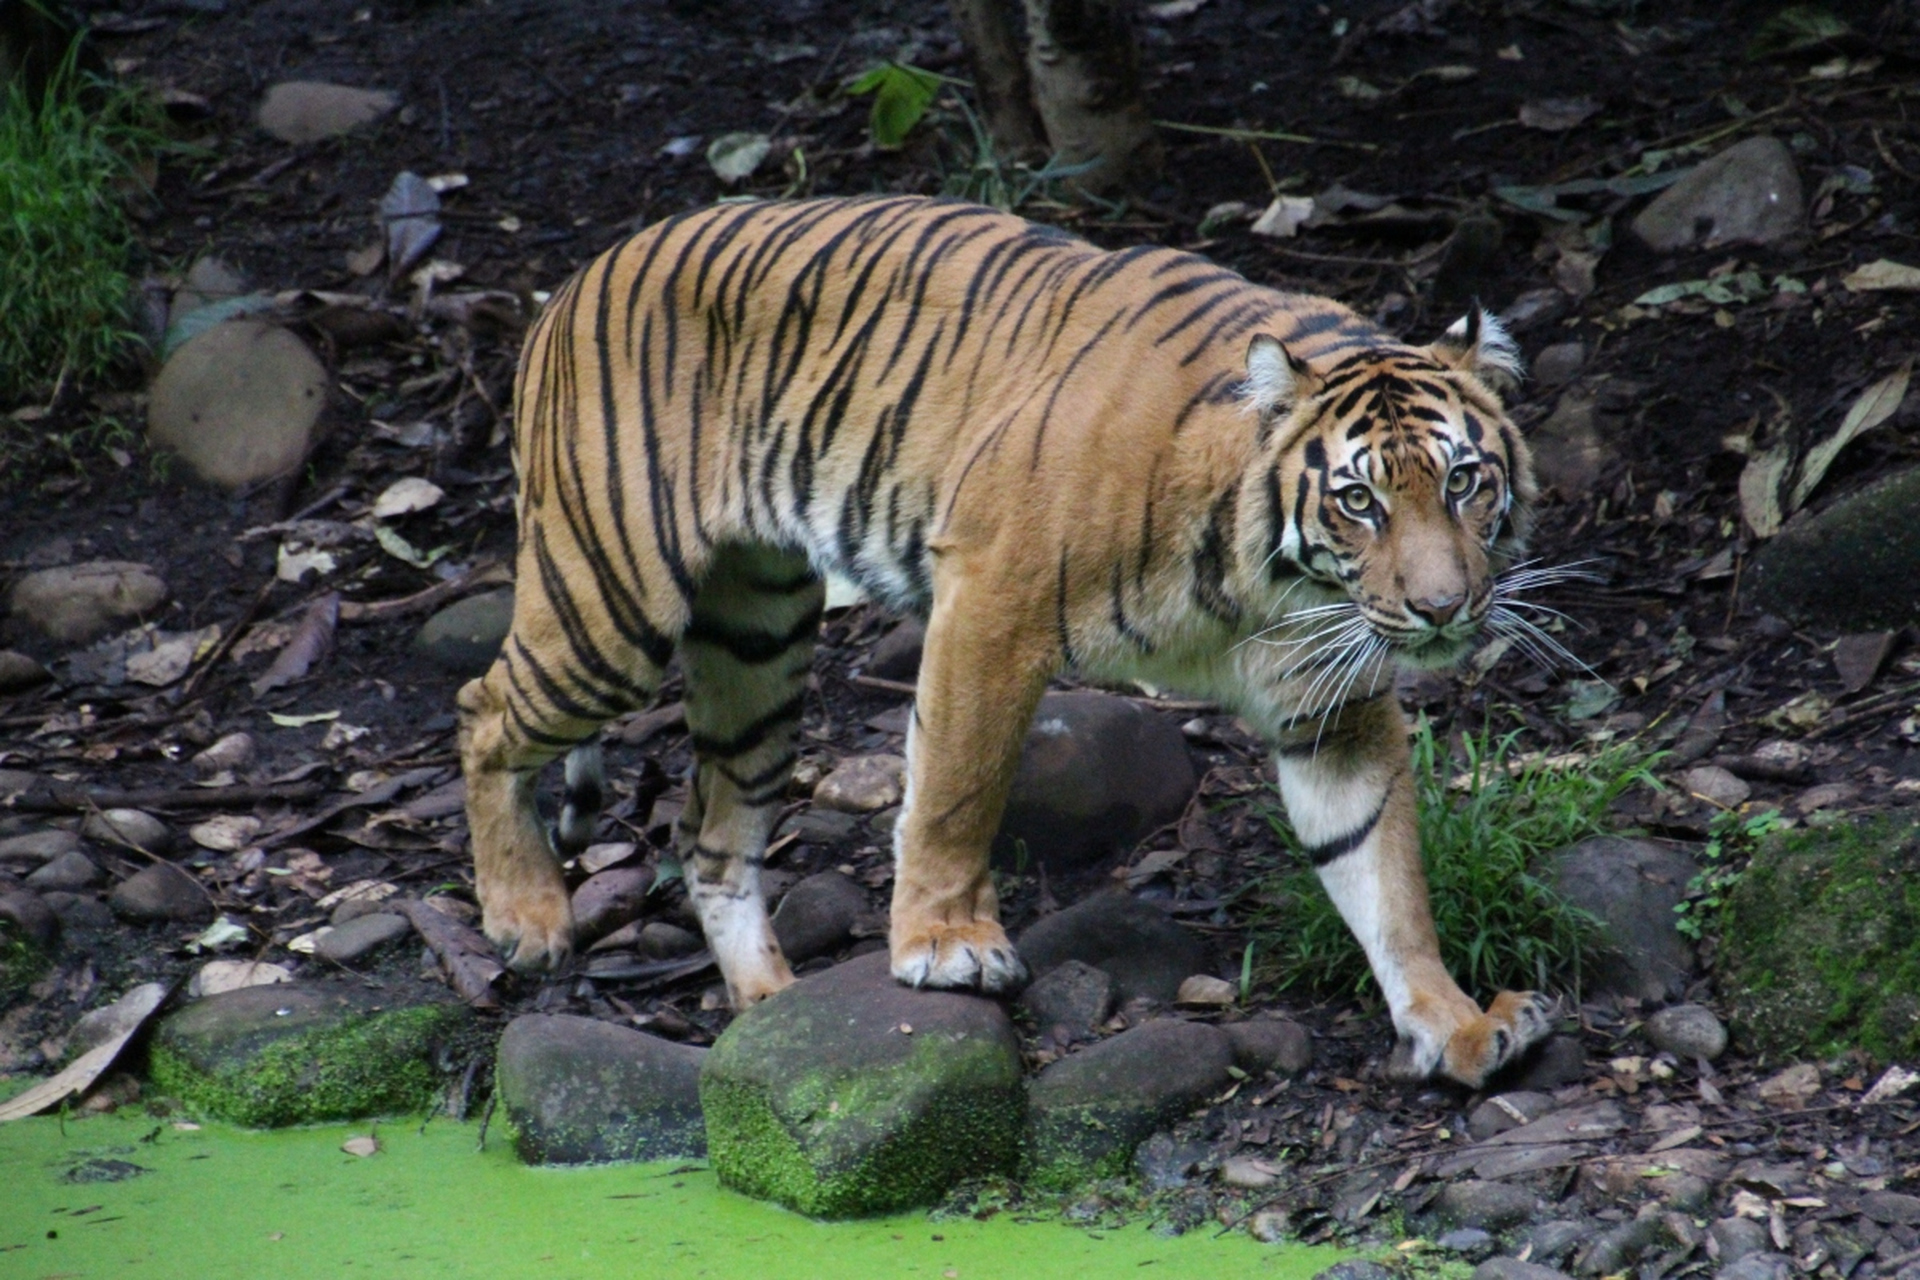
21,964
850,1095
331,1056
1821,950
838,1146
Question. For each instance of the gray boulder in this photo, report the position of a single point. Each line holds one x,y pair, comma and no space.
465,637
356,939
1270,1044
127,826
1090,1110
1514,1269
1688,1031
161,894
1850,567
896,655
240,403
1097,773
817,915
300,111
27,915
39,846
298,1053
78,602
1506,1111
1147,954
1758,1266
581,1091
1632,887
848,1094
1748,194
1489,1206
1073,995
71,870
1735,1238
18,671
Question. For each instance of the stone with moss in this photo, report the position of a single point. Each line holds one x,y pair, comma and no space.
848,1094
297,1053
1821,945
1089,1111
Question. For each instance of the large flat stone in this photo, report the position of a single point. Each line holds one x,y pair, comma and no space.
580,1091
1854,566
848,1094
1147,954
1090,1110
300,111
77,602
297,1053
239,403
1097,772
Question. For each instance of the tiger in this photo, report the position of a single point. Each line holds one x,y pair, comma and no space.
1135,465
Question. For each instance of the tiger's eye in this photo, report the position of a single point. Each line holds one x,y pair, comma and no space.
1356,498
1461,479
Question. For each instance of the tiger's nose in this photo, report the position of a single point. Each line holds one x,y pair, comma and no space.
1437,611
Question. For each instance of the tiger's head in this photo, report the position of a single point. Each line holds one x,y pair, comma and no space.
1393,475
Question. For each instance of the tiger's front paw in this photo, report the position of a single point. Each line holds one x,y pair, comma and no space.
976,956
1473,1047
532,923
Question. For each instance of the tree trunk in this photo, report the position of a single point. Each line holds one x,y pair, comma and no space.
990,30
1085,65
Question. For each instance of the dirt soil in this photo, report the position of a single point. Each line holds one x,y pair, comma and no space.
575,123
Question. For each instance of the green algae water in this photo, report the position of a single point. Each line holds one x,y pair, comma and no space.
228,1204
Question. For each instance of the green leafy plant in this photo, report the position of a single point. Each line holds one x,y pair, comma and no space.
987,177
1486,821
1731,837
66,158
901,96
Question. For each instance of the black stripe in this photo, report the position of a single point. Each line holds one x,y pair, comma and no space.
1340,846
753,734
752,648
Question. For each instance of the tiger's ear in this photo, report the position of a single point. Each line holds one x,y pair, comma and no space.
1478,343
1276,378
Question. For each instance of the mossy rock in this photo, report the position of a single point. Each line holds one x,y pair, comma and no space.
297,1053
1821,945
1853,567
848,1094
1091,1110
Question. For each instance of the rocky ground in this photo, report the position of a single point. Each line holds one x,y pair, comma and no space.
225,706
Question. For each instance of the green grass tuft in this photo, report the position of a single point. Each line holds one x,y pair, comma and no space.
1486,823
65,160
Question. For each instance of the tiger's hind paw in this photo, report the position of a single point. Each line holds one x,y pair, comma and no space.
977,956
533,928
1479,1045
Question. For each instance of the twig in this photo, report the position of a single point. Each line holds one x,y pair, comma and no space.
471,967
491,573
65,798
1263,135
181,692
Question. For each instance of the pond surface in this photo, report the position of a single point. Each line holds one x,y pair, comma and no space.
130,1196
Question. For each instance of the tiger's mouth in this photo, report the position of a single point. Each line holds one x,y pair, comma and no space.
1433,649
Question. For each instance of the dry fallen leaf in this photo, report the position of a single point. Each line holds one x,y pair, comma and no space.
1283,217
308,646
1883,273
1875,405
402,497
225,833
1556,115
129,1014
362,1146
